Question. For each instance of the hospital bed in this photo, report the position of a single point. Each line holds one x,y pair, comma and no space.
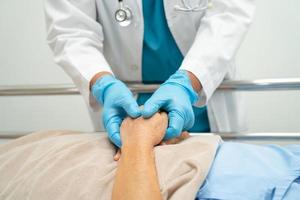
237,85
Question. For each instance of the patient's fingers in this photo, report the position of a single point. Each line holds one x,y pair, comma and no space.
164,116
184,135
159,120
117,155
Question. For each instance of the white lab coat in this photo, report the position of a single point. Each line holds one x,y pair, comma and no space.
86,39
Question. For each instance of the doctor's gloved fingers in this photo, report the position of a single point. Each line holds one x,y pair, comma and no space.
176,124
115,138
151,107
132,108
113,131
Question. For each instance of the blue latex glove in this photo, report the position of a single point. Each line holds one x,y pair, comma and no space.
118,103
176,97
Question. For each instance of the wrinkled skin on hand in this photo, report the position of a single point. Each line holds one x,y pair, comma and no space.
142,131
150,131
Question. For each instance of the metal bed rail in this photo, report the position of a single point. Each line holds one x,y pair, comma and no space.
225,136
237,85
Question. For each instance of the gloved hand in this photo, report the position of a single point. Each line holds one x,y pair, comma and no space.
176,97
118,103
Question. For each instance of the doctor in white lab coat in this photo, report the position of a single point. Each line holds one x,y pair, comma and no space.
90,44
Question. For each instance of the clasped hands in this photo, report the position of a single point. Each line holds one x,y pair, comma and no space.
143,133
175,97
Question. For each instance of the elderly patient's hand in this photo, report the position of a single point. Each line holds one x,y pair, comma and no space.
150,131
142,131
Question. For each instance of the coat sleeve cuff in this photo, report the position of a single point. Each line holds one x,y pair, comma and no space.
87,93
205,78
82,82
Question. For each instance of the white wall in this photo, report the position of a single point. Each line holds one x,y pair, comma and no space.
26,59
270,51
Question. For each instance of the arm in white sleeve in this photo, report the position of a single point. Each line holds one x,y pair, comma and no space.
218,38
76,39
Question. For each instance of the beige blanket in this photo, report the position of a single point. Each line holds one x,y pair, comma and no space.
71,165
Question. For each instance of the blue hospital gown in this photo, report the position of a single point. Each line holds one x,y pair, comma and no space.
161,57
252,172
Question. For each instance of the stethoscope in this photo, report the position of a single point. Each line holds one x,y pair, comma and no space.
123,14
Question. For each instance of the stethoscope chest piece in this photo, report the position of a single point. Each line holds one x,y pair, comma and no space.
123,15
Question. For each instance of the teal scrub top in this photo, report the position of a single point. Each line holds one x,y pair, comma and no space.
161,56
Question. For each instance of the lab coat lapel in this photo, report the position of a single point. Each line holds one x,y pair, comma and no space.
180,24
140,6
133,40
